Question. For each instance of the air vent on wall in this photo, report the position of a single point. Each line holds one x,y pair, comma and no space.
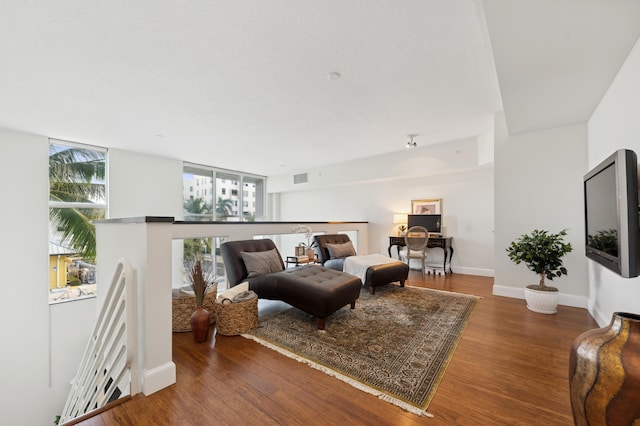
300,178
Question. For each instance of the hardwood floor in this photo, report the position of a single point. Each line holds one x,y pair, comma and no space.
510,368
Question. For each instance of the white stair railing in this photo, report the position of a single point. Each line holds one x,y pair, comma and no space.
109,367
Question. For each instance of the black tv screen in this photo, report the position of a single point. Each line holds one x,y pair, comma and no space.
611,214
431,222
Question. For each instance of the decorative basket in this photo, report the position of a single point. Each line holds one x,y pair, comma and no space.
233,319
184,305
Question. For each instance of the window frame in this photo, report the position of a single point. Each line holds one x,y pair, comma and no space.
78,205
226,175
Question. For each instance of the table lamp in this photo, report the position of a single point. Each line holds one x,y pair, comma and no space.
400,219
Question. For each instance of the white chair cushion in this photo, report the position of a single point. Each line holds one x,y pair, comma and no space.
414,253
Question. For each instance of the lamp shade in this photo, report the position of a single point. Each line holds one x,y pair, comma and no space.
400,218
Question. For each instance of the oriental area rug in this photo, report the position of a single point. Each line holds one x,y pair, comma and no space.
395,344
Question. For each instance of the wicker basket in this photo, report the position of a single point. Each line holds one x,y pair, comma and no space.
233,319
184,306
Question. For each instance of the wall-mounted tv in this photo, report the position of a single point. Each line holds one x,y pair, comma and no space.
431,222
612,230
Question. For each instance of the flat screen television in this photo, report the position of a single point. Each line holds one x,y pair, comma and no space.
431,222
611,213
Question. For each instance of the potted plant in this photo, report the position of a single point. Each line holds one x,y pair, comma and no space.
200,280
542,252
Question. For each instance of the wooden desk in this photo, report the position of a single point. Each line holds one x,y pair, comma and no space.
445,243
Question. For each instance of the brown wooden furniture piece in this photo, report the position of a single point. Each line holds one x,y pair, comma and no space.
445,243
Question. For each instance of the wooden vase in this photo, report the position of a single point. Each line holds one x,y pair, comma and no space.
604,373
200,324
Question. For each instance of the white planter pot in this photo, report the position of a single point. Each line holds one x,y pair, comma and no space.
543,302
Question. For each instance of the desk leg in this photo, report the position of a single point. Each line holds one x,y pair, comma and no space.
389,250
444,264
450,257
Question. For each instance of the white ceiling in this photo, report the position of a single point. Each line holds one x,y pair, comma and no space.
556,58
243,84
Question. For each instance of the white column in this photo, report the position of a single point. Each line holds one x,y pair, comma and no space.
146,243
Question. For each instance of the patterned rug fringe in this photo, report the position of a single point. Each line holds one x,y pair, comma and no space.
408,407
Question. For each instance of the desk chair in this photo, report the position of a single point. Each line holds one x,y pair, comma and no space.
416,240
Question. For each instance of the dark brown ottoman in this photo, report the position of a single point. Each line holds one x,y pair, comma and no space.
314,289
376,269
378,275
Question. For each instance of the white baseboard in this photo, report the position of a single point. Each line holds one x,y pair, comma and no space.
600,318
513,292
563,299
465,270
158,378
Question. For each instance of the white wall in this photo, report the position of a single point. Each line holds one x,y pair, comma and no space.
467,199
429,160
144,185
24,307
538,179
612,126
43,343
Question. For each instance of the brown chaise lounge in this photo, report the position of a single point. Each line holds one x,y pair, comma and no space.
376,275
316,290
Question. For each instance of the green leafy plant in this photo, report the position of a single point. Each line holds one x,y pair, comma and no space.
542,252
76,175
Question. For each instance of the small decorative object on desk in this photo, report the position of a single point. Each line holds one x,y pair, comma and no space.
311,255
308,247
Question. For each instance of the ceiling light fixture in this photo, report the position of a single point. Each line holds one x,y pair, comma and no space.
411,143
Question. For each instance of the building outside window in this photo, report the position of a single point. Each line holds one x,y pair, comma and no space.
197,208
77,196
221,197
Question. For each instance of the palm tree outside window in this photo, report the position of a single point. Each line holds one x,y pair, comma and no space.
77,197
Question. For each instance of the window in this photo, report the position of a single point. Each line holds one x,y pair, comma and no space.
257,191
77,196
197,208
222,198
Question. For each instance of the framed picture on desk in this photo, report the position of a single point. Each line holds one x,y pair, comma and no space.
429,206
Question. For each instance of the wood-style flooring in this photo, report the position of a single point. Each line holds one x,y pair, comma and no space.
510,368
